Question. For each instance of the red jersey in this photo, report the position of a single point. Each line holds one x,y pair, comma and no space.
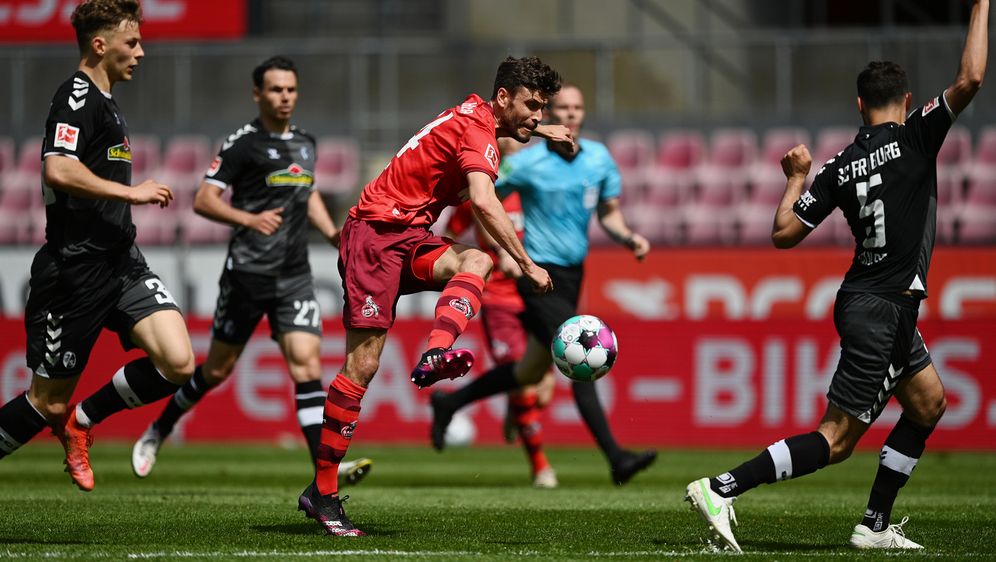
429,173
500,290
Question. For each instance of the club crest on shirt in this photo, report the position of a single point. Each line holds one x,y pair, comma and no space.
930,106
120,152
66,136
291,176
491,155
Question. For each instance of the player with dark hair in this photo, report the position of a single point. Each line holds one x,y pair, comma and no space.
387,250
270,165
576,184
89,274
885,183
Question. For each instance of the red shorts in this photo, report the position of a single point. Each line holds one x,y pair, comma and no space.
379,262
506,336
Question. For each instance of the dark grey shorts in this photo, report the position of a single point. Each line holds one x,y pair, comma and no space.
288,302
70,303
879,346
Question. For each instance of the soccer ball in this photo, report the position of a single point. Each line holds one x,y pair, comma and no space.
584,348
461,432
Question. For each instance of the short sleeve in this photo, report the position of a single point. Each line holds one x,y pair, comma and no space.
477,152
927,126
69,128
612,183
227,165
817,203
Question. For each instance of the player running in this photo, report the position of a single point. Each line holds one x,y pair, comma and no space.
885,183
89,275
387,250
269,164
560,191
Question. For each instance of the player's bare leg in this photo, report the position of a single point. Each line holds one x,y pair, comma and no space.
320,500
302,351
464,270
169,364
216,369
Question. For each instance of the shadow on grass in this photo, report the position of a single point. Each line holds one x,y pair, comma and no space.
312,529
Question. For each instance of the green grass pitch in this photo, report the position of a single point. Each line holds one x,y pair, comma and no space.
225,502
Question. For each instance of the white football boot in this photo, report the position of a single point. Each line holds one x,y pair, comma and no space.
892,537
143,454
715,510
545,479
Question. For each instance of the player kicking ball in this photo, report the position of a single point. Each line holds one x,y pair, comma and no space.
885,183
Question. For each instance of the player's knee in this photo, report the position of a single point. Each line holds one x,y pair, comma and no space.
51,410
930,412
361,369
477,262
305,372
177,365
840,451
215,375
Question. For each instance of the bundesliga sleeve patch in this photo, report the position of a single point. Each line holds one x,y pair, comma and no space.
214,167
931,105
491,155
66,136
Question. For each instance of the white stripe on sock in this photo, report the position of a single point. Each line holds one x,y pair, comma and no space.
182,400
81,417
897,461
125,391
7,443
311,416
307,395
783,460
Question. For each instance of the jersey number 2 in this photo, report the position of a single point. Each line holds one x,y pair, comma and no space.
875,234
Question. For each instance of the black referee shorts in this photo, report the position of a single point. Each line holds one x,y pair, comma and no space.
545,313
879,346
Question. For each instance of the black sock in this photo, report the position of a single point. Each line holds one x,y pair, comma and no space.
136,384
184,399
586,398
309,399
789,458
19,422
903,448
496,381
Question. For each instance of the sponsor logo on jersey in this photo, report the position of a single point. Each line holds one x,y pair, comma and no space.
806,200
214,167
120,152
291,176
272,154
930,106
468,107
491,155
66,136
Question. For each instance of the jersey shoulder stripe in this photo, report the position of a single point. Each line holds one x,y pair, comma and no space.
242,132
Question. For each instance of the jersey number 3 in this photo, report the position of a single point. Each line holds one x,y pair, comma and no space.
875,234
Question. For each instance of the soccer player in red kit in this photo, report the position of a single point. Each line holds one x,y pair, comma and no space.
387,250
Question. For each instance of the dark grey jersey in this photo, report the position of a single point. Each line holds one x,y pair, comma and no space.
885,183
268,171
86,125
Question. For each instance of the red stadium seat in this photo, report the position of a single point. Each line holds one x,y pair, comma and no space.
184,162
633,152
144,157
337,166
776,143
829,142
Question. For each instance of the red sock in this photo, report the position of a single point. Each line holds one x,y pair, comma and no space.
460,301
526,414
342,409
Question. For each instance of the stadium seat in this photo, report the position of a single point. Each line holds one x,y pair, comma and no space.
732,149
196,229
633,152
144,157
829,142
184,162
155,225
6,157
22,186
776,143
679,155
983,165
337,166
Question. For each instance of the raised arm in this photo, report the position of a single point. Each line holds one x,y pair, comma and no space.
788,230
489,211
71,176
973,60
